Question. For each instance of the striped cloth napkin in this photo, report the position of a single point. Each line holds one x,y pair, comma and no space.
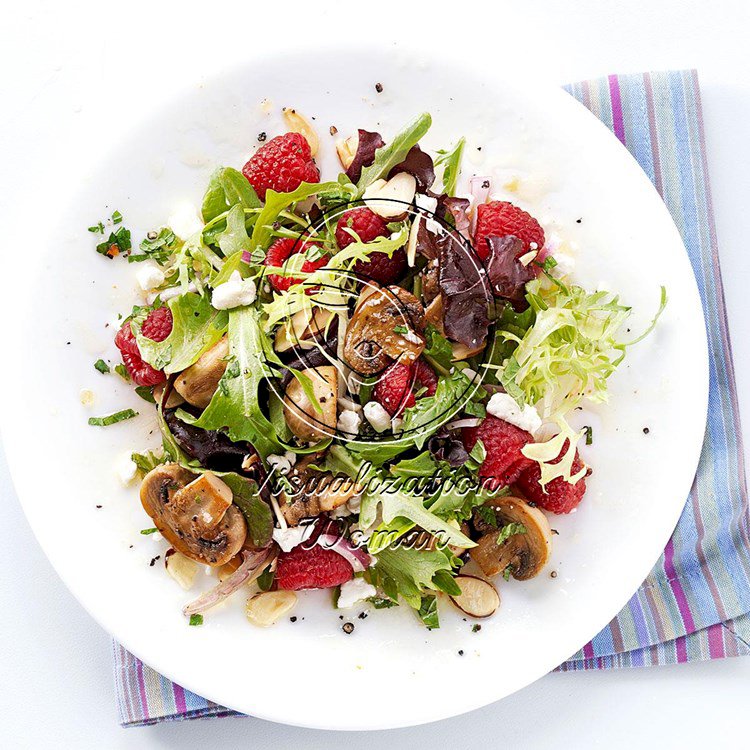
695,604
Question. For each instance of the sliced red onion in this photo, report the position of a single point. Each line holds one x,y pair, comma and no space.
246,257
479,187
458,424
253,564
357,557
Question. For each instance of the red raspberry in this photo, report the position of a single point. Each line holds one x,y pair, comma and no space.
502,441
560,496
282,164
157,326
500,218
367,225
280,251
315,568
393,390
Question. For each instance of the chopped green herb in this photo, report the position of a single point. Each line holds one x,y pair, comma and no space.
102,366
400,330
157,247
380,602
116,217
122,371
487,514
589,434
196,620
146,532
265,580
507,573
97,228
548,264
146,393
510,530
119,416
117,242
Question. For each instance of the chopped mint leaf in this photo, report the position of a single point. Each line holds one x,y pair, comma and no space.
158,246
117,242
428,612
380,602
196,620
265,580
589,431
122,371
102,366
146,393
152,530
119,416
97,228
146,461
487,514
507,573
116,217
401,330
510,530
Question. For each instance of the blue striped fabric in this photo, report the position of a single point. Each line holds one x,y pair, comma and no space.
695,603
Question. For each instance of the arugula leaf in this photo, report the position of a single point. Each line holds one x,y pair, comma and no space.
408,572
119,416
422,465
393,153
438,351
452,166
227,188
234,238
196,327
233,263
235,405
428,612
257,513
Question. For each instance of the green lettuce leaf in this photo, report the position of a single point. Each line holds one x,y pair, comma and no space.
227,188
196,327
451,161
257,513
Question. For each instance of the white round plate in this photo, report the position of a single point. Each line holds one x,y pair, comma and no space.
546,153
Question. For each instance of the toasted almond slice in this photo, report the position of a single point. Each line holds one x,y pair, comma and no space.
346,150
411,245
181,568
297,123
391,199
478,597
268,608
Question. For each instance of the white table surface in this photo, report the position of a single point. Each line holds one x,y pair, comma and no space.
63,67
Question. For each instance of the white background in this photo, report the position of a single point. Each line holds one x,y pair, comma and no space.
79,73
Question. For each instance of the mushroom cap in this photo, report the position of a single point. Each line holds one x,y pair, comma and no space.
371,342
211,538
525,553
198,383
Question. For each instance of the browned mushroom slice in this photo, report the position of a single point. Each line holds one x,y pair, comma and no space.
199,382
303,327
386,325
195,515
523,553
304,420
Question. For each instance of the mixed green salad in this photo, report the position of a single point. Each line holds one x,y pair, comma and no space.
362,384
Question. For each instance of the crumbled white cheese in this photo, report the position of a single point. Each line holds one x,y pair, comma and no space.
292,536
347,403
149,276
282,464
377,416
425,202
184,221
173,291
354,591
126,470
235,292
502,406
349,422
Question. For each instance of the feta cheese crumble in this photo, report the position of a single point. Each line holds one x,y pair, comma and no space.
126,470
236,292
184,221
149,276
349,422
377,416
502,406
354,591
282,464
293,536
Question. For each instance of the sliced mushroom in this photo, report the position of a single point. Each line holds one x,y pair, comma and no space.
195,515
523,554
305,421
199,382
301,328
174,399
434,316
386,325
478,598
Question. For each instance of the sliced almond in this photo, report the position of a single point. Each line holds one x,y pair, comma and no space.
391,199
303,325
268,608
411,245
478,597
181,568
297,123
346,149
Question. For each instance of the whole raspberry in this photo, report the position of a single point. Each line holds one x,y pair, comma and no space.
394,391
367,225
502,442
560,496
499,219
282,164
157,326
280,251
315,568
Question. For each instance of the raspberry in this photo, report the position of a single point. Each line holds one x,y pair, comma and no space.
502,441
499,219
560,496
367,225
315,568
282,164
280,251
393,390
157,326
